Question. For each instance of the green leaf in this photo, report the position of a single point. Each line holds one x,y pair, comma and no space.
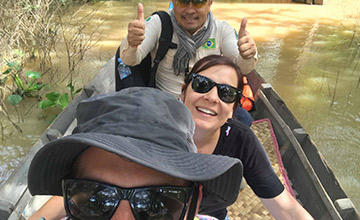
64,100
18,82
13,64
33,75
30,84
77,91
33,86
7,71
30,89
14,99
40,86
70,87
53,96
3,81
46,104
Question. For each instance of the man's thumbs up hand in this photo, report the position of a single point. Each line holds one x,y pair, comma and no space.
242,31
246,44
136,28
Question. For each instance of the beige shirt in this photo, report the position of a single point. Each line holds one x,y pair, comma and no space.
223,40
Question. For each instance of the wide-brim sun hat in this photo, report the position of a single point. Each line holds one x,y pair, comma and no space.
146,126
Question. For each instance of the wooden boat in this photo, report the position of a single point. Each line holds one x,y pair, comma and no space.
313,182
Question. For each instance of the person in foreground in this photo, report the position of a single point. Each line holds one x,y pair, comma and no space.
122,162
211,92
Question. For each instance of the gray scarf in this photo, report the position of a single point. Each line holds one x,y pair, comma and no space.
188,44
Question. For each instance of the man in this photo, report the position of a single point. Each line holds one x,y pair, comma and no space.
122,162
197,34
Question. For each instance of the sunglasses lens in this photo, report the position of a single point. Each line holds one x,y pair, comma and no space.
182,3
151,204
90,200
227,93
87,200
202,84
196,3
199,3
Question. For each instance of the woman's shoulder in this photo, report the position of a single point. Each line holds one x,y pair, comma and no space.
236,131
236,140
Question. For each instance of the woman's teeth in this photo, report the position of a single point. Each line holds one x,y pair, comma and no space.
206,111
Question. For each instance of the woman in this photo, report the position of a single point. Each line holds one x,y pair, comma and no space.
211,92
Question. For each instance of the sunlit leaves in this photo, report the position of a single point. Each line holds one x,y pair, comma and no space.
14,99
55,100
33,75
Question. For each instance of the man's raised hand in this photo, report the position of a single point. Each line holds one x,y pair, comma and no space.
246,44
136,28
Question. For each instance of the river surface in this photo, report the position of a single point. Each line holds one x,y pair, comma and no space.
309,53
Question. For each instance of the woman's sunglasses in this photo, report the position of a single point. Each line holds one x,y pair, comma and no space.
202,84
185,3
85,199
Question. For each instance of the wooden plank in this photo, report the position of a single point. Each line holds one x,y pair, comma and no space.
299,168
255,81
318,163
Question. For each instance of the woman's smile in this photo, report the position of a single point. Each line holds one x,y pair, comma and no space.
206,111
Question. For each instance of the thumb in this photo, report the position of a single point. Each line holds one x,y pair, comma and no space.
242,31
140,12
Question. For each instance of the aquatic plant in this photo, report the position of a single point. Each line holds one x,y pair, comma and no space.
31,33
54,99
21,87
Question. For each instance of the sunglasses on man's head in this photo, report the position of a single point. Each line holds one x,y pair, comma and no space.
202,84
86,199
195,3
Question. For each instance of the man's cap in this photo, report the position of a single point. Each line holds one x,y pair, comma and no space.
146,126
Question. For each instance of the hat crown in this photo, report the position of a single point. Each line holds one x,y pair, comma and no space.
141,113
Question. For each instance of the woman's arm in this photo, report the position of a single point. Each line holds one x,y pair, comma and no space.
284,207
53,209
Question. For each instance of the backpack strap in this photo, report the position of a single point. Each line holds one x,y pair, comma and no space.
117,76
164,43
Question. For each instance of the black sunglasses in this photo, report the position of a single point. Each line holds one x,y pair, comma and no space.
86,199
202,84
196,3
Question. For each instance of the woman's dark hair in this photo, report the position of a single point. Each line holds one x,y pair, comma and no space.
215,60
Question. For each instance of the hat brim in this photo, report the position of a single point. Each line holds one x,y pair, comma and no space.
220,175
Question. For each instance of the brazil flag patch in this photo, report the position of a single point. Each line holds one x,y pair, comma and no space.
210,44
148,19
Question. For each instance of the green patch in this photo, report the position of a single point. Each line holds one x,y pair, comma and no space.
148,19
14,99
210,44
